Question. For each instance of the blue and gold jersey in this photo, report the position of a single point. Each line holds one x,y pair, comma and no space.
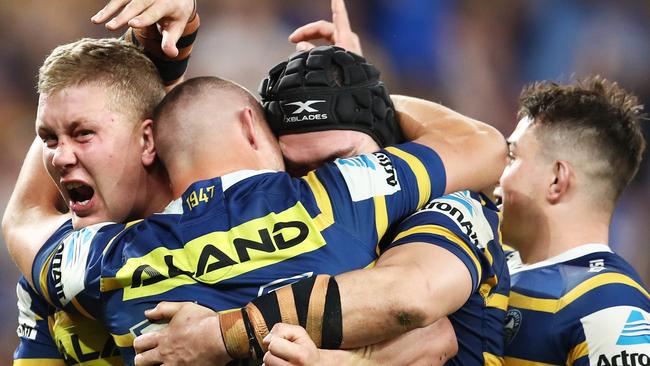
230,239
586,306
467,224
50,337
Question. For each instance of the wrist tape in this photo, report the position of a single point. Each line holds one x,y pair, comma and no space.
313,303
149,38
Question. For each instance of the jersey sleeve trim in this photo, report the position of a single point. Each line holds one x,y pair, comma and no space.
447,234
420,171
126,226
513,361
577,352
553,306
39,362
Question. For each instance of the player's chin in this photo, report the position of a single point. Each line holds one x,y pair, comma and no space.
81,221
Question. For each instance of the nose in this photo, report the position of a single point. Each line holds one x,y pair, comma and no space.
64,156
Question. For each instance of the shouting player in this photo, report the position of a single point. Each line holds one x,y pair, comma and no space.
96,101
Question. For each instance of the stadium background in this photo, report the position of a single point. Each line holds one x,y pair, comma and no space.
471,55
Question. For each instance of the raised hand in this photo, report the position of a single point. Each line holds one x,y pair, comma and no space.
337,32
170,16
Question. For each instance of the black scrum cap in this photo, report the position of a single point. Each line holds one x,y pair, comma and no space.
329,88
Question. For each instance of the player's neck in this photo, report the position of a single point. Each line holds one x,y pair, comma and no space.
566,229
156,194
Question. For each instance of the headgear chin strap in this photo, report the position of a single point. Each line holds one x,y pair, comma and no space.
329,88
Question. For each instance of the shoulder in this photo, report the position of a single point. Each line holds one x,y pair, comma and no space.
465,213
63,263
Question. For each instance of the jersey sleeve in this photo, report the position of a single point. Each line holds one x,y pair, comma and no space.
36,346
457,223
379,189
614,323
63,267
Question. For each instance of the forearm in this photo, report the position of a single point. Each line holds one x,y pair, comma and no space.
412,286
423,283
34,210
432,345
473,152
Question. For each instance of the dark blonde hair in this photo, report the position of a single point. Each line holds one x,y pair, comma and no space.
132,79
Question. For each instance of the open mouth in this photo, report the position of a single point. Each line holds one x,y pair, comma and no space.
80,193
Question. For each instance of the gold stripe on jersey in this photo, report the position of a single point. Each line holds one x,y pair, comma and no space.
492,360
497,301
219,255
45,270
420,171
580,350
126,226
39,362
554,305
123,340
444,232
381,219
320,193
505,247
513,361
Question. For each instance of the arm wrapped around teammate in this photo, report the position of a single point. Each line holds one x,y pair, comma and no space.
314,304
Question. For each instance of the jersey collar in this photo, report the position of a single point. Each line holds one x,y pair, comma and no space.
566,256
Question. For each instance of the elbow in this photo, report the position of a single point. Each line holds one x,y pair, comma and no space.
499,151
8,222
9,228
492,153
417,304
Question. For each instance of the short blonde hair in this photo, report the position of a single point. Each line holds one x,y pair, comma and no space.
132,79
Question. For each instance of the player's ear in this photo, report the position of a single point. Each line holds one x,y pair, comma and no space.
559,187
147,143
247,123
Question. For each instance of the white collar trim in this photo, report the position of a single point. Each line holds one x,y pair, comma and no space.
227,181
230,179
570,254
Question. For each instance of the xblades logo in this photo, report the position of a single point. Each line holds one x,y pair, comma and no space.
305,106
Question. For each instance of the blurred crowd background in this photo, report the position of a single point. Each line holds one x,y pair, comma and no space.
471,55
